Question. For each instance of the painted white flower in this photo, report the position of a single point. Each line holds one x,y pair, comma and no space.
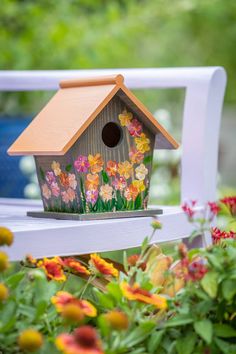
106,192
141,172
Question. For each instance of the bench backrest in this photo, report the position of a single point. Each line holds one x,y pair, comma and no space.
205,87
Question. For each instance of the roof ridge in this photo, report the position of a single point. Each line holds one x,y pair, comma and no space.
93,81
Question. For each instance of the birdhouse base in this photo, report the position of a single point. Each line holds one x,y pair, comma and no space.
95,216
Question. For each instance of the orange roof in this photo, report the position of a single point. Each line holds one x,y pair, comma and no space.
71,110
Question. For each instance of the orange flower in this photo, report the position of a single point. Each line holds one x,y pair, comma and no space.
84,340
96,163
131,193
135,155
101,266
75,266
63,298
111,168
125,118
92,181
64,179
134,292
142,143
52,268
125,169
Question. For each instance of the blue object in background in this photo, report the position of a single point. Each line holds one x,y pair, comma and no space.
12,180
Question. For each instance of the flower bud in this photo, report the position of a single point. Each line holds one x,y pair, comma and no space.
156,224
4,264
30,340
4,293
6,237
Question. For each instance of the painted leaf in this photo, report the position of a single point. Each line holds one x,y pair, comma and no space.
147,159
42,174
105,177
68,167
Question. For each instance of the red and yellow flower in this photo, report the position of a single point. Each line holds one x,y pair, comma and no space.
136,293
53,269
75,266
96,163
135,155
63,298
135,128
84,340
101,266
111,168
131,193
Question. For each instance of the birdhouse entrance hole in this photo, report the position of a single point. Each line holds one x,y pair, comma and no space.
111,134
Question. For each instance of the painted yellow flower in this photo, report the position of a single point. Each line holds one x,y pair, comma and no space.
106,192
92,181
139,185
96,163
141,172
56,168
125,169
125,118
101,266
136,293
142,143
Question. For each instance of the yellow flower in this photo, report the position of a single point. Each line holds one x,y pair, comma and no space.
101,266
134,292
56,168
4,293
141,172
142,143
4,264
125,118
125,169
117,320
6,236
30,340
106,192
139,185
96,163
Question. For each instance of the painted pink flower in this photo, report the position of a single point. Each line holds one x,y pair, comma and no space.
68,195
119,183
55,189
50,177
81,164
92,196
135,128
106,192
72,180
46,191
135,155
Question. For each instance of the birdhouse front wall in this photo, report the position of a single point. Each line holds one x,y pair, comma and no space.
107,169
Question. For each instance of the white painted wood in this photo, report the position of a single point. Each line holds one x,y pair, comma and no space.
205,89
48,237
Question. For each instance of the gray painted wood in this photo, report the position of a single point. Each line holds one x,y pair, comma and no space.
95,216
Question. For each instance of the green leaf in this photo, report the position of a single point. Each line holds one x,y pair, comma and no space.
8,316
155,340
138,202
204,329
114,290
224,330
186,343
225,347
104,300
13,281
210,283
147,160
179,320
68,167
228,289
139,334
42,174
105,177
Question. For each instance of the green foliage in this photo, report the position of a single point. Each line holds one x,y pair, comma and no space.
143,33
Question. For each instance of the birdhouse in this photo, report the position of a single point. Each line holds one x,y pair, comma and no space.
93,146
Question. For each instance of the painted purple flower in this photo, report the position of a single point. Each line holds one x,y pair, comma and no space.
55,189
92,196
81,164
50,177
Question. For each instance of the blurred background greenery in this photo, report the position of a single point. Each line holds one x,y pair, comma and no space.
83,34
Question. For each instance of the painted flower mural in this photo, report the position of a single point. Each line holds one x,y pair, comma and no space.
98,184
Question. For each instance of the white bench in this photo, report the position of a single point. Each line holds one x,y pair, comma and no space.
205,89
